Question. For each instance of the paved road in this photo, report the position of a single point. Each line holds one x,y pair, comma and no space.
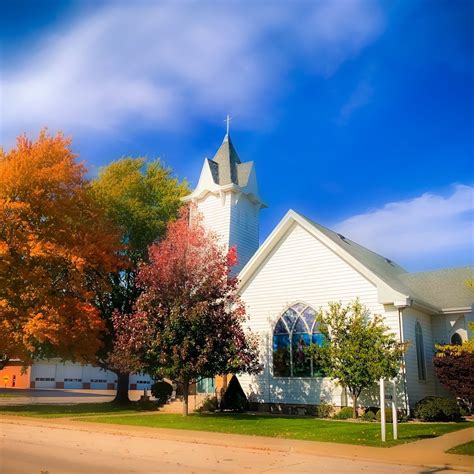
47,450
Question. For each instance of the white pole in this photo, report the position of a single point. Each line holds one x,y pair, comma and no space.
382,409
394,410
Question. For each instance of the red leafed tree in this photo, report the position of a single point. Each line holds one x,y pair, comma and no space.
189,317
454,366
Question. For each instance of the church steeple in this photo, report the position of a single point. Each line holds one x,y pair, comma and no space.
227,161
227,196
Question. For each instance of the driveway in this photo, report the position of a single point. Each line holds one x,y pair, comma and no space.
60,396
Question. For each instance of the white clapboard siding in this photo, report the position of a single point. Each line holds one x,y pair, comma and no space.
301,268
235,219
216,215
418,389
244,229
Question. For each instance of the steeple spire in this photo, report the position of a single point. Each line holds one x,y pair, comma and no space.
227,121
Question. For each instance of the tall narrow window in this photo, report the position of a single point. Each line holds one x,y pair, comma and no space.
420,352
294,331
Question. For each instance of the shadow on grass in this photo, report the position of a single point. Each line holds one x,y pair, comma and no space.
80,409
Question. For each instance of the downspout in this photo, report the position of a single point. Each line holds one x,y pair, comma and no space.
404,372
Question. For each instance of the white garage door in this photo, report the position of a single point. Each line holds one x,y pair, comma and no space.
72,383
70,375
142,384
99,384
44,375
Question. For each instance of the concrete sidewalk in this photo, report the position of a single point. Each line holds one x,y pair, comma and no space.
427,453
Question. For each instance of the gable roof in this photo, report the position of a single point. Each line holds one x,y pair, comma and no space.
395,285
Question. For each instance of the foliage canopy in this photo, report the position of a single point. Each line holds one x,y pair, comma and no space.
55,245
358,349
140,198
189,318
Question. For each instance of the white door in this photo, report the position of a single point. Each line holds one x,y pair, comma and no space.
70,374
44,375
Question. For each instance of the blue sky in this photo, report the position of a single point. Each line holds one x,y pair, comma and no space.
358,114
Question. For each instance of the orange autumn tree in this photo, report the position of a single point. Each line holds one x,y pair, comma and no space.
55,245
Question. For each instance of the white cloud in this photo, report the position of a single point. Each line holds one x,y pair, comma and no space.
427,228
164,64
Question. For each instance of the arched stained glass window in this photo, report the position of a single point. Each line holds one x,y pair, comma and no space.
420,352
296,329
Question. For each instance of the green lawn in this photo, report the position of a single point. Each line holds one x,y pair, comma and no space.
8,395
466,448
311,429
81,409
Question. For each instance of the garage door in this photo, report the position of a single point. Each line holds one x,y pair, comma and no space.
44,375
45,382
142,384
72,383
99,384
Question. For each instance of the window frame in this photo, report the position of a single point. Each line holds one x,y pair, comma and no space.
291,332
420,352
459,343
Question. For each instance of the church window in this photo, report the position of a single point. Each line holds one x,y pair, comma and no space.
420,352
296,329
456,339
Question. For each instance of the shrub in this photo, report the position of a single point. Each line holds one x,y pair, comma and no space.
323,410
388,415
453,366
162,391
209,404
437,409
368,416
234,398
344,414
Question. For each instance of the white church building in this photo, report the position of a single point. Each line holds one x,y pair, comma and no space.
300,268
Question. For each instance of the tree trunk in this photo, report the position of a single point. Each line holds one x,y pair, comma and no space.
354,406
122,389
185,397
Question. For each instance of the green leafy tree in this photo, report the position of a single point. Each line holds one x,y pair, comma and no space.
140,198
358,349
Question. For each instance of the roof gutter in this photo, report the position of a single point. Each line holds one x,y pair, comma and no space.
465,309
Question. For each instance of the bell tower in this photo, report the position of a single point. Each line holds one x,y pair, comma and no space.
228,199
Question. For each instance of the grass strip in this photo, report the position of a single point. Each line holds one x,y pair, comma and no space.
466,449
310,429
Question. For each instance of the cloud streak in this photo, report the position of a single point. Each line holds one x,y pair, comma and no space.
161,64
422,229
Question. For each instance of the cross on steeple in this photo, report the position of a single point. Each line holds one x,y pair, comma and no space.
227,121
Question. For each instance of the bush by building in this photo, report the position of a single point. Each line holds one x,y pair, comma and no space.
344,413
162,391
438,409
234,398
